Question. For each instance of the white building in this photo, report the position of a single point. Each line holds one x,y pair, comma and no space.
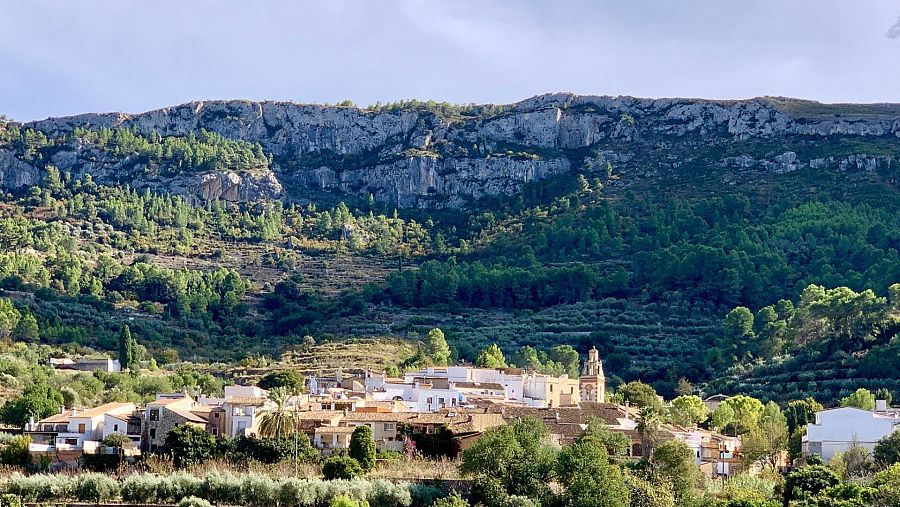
839,429
435,388
81,430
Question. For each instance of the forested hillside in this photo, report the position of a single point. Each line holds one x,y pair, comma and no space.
673,264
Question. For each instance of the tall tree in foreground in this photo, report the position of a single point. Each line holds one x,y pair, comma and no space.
514,457
673,462
190,445
589,478
362,447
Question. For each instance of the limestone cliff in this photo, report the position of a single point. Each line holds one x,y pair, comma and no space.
423,156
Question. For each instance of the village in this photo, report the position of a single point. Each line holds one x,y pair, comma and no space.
457,403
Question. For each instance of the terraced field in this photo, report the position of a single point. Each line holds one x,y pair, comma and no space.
638,339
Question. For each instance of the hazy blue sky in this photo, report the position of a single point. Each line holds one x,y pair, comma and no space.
65,57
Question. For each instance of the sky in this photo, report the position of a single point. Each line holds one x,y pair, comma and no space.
63,57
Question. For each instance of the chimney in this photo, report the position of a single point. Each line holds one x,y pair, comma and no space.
881,405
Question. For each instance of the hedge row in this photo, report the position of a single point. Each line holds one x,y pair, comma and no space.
251,490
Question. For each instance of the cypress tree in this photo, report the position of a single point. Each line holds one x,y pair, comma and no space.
127,348
362,447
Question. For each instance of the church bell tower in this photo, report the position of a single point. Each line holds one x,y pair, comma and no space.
592,382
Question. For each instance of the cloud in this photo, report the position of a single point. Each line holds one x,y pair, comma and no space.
894,31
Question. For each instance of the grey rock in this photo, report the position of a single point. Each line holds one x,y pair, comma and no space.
415,158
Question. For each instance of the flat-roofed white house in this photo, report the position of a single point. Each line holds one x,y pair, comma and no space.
838,429
80,430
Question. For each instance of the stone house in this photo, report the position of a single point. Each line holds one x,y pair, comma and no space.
166,413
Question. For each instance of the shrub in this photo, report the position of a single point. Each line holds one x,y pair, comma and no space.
488,491
647,493
389,494
176,486
809,481
341,467
9,500
15,452
95,487
140,488
294,492
356,488
424,494
220,488
519,501
274,450
258,490
887,485
451,500
193,501
747,487
887,450
40,487
346,501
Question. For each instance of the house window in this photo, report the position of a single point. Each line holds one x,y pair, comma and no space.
71,441
152,432
115,427
154,415
389,426
215,431
81,428
430,400
551,388
216,415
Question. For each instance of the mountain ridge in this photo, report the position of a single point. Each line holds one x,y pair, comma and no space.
436,155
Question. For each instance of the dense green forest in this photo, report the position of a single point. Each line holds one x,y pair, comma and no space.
647,276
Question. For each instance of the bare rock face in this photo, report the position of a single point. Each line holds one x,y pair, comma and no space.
247,186
416,157
15,173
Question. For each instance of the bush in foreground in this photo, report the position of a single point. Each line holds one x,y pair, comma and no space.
96,487
341,467
193,501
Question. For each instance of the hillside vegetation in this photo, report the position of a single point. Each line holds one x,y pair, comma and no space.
647,269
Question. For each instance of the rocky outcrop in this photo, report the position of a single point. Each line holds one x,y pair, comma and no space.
15,173
246,186
789,162
414,157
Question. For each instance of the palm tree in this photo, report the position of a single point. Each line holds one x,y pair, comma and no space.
647,426
279,421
